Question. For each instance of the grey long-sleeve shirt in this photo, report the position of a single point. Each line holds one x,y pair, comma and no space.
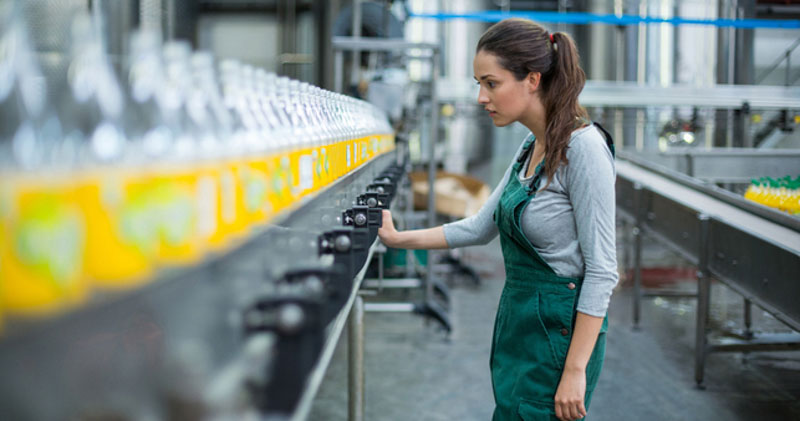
571,224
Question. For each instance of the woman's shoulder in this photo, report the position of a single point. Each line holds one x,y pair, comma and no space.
587,141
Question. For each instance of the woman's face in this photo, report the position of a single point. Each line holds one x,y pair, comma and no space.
502,95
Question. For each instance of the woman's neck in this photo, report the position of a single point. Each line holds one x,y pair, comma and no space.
535,120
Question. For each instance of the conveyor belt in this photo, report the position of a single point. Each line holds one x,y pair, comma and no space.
756,254
186,339
702,203
754,251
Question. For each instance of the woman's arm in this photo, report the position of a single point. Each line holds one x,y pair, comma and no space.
572,387
430,238
590,184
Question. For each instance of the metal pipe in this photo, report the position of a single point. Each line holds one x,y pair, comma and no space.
338,70
355,360
787,81
703,300
355,65
748,318
434,132
638,200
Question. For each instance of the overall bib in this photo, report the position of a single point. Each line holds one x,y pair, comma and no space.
536,316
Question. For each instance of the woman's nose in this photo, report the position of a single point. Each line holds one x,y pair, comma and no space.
482,98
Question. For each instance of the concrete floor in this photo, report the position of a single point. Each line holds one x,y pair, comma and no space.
414,371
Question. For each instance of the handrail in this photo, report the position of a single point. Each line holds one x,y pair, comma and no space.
783,56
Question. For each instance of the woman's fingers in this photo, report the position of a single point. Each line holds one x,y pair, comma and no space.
387,232
386,215
581,410
570,410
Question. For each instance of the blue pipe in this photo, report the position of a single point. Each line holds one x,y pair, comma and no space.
582,18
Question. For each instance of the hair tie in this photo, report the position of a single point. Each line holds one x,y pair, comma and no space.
553,43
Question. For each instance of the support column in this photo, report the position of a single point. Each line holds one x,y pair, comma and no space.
638,201
355,360
703,301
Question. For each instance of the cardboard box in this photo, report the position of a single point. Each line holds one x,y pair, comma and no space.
457,195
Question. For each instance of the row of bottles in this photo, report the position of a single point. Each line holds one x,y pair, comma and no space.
180,157
782,193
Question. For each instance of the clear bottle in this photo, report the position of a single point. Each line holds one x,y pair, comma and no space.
41,226
115,192
219,179
235,145
175,181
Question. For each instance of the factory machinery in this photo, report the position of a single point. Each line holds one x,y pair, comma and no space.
185,243
753,249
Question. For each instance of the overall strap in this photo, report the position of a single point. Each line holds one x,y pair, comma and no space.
609,139
526,147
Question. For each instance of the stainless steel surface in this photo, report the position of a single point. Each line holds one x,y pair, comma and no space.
389,307
731,165
333,335
725,196
349,43
355,359
629,94
432,165
703,298
465,134
355,61
755,256
632,95
393,283
338,70
746,249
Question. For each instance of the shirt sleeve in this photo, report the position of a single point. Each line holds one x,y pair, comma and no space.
479,228
590,185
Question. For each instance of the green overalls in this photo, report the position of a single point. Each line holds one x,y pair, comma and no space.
535,318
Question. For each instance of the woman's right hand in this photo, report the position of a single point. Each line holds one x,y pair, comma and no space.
387,233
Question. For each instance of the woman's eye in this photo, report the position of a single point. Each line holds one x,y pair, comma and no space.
490,84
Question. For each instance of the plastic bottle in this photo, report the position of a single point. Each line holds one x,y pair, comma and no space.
42,234
114,187
175,180
222,230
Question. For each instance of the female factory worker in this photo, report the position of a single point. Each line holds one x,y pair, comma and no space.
554,211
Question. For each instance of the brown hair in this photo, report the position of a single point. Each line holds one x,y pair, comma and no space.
521,47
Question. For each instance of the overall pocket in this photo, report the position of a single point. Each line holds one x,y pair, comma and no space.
557,316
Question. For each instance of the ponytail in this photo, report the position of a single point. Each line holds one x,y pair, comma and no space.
561,87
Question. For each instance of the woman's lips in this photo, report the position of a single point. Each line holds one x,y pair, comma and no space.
492,113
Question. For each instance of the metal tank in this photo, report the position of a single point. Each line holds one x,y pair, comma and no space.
654,54
466,127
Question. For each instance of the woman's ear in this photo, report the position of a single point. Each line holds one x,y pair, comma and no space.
533,80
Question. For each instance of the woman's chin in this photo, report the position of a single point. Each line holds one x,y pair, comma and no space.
500,122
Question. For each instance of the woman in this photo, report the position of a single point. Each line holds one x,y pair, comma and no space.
554,211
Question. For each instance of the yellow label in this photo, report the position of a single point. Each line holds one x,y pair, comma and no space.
42,247
209,201
122,230
363,149
175,202
318,171
238,223
296,184
255,185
